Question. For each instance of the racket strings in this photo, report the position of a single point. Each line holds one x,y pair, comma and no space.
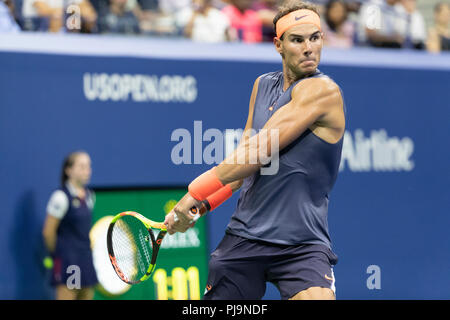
132,247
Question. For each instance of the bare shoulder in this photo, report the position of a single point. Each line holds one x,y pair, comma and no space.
320,92
322,97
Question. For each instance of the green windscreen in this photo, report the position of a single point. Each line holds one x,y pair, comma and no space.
181,267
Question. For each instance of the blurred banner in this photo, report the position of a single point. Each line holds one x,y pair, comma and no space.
157,114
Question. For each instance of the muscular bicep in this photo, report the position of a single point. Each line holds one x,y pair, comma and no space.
311,104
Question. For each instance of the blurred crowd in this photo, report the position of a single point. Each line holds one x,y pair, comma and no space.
346,23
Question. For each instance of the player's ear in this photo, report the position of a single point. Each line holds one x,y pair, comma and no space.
68,171
278,45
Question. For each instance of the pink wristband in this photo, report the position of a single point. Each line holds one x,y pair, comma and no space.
205,185
218,197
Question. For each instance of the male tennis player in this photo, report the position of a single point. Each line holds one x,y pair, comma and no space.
279,231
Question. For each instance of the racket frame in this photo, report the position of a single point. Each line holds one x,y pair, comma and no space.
156,243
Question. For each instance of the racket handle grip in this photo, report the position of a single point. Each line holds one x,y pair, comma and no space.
195,213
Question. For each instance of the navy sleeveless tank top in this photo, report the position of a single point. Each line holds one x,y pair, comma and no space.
291,206
73,231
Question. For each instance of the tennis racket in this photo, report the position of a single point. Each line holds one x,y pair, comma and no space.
133,245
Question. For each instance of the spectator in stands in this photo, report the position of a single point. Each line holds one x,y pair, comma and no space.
411,25
245,23
42,15
173,6
117,19
202,22
377,24
164,22
147,11
338,30
267,9
7,21
439,34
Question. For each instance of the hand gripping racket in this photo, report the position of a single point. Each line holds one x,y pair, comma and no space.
133,245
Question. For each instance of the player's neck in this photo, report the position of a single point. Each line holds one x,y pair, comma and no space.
78,188
291,77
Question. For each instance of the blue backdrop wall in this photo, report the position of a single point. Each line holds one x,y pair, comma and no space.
390,208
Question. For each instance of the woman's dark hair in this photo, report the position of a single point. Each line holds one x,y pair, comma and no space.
290,6
69,160
438,7
331,24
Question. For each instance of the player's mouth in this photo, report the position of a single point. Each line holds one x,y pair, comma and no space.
309,62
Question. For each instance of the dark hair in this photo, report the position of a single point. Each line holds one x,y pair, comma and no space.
438,7
69,160
289,6
330,23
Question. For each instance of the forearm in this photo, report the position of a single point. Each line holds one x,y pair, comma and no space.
50,232
50,241
242,162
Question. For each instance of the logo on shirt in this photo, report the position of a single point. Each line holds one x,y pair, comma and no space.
76,203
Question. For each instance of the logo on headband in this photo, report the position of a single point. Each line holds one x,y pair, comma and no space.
294,18
298,18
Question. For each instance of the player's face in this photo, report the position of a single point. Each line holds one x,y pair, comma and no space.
301,48
80,171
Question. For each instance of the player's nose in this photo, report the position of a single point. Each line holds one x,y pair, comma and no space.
307,49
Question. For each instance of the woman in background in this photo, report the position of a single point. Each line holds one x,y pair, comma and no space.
203,23
439,34
66,230
338,30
